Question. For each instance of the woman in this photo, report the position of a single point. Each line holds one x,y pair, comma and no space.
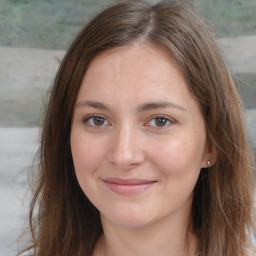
143,148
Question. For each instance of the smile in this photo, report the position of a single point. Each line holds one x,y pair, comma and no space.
129,186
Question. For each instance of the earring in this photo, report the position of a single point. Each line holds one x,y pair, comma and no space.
208,163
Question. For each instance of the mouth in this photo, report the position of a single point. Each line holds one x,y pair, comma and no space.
128,186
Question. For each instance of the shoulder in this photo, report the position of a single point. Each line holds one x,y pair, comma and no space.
26,253
250,252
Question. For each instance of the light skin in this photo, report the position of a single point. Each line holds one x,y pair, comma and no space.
138,142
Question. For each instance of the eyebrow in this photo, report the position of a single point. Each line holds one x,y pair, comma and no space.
93,104
141,108
157,105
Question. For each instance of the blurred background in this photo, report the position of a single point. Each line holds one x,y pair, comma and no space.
34,35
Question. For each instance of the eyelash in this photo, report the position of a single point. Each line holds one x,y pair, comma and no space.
87,119
168,120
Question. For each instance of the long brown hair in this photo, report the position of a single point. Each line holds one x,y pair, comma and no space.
62,220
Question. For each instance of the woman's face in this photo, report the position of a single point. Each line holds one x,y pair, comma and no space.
138,138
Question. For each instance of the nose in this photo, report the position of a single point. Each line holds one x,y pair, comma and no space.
126,149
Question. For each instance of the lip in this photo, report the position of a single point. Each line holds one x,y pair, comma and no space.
128,186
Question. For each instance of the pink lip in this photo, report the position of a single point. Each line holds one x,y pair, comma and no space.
128,186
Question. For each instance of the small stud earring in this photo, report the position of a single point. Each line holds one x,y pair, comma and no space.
208,163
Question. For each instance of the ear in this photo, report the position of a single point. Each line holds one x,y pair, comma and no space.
209,157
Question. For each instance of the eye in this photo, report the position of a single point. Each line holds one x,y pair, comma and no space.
160,121
96,121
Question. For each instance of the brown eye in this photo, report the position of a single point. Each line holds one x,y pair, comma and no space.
98,121
160,121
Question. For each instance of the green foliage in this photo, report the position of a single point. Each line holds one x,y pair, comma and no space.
52,24
230,17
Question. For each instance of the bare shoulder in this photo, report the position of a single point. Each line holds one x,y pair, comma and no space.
26,253
250,252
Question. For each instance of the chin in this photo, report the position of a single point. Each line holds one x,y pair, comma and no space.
131,222
128,219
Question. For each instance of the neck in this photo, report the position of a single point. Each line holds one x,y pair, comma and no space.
153,239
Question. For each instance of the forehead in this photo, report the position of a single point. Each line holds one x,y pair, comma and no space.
141,67
143,54
126,79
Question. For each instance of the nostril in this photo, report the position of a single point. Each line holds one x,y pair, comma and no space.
126,157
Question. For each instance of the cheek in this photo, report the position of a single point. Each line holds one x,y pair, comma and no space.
87,154
179,165
179,157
